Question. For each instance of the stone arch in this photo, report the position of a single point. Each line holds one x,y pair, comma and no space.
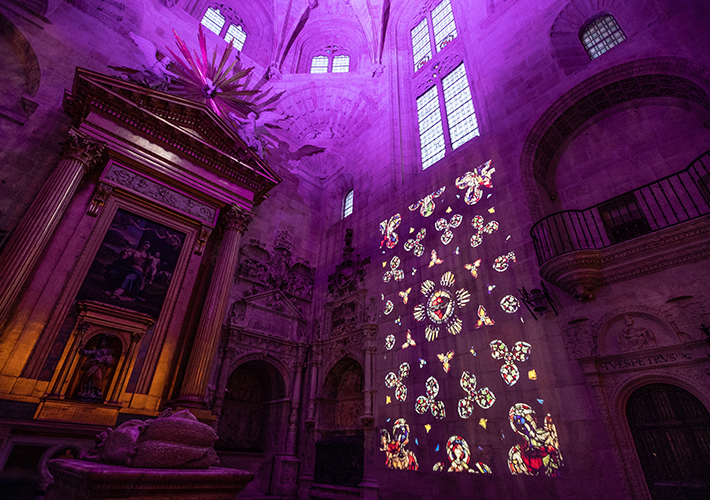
342,396
618,398
250,412
340,451
661,79
21,75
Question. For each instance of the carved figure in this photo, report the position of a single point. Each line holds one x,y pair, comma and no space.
154,74
633,337
540,455
174,441
94,368
397,455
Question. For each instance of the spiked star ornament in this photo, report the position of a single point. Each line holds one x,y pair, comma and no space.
441,306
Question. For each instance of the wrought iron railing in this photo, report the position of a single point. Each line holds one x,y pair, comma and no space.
671,200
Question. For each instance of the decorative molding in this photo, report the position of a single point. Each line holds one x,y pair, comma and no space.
83,149
101,194
581,272
140,184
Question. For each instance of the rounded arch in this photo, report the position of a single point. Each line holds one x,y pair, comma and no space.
252,408
670,428
655,78
618,397
283,372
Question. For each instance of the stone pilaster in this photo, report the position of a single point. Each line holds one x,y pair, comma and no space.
295,401
79,156
234,222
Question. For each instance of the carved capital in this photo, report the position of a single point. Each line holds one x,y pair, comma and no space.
103,191
83,149
236,218
135,338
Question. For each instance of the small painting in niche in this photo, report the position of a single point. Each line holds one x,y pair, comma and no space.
134,265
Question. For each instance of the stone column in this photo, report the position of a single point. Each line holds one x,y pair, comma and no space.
295,400
192,394
368,486
79,156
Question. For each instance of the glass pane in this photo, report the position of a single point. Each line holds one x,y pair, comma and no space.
236,33
213,21
341,64
421,45
600,35
444,26
460,113
348,204
431,131
319,64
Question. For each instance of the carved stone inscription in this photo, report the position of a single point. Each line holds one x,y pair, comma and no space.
643,361
162,194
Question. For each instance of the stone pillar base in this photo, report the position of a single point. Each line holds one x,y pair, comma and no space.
285,476
369,489
81,480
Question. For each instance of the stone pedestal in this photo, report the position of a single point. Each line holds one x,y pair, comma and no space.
81,480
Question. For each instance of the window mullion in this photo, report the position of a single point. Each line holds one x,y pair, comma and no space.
444,119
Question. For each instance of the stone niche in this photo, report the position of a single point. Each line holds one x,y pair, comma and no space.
93,371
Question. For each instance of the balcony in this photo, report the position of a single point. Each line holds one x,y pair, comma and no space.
645,230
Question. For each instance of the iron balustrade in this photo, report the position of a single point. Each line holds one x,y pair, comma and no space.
677,198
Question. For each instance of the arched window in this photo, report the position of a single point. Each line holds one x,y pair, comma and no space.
601,34
442,32
319,64
326,61
225,23
453,94
348,203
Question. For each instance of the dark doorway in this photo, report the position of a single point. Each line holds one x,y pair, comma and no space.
671,430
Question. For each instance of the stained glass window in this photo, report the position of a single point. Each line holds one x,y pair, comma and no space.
601,34
431,131
459,107
213,21
442,18
236,33
421,45
348,204
341,64
319,64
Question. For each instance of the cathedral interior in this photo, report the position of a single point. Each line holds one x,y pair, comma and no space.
386,249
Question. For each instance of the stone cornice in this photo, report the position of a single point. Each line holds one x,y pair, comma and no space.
582,271
188,128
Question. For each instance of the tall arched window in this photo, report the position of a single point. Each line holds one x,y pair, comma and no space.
600,34
452,94
445,111
348,203
442,32
225,23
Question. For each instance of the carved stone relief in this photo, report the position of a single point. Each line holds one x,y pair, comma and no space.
275,270
118,175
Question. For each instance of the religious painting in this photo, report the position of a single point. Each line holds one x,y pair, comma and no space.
134,264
